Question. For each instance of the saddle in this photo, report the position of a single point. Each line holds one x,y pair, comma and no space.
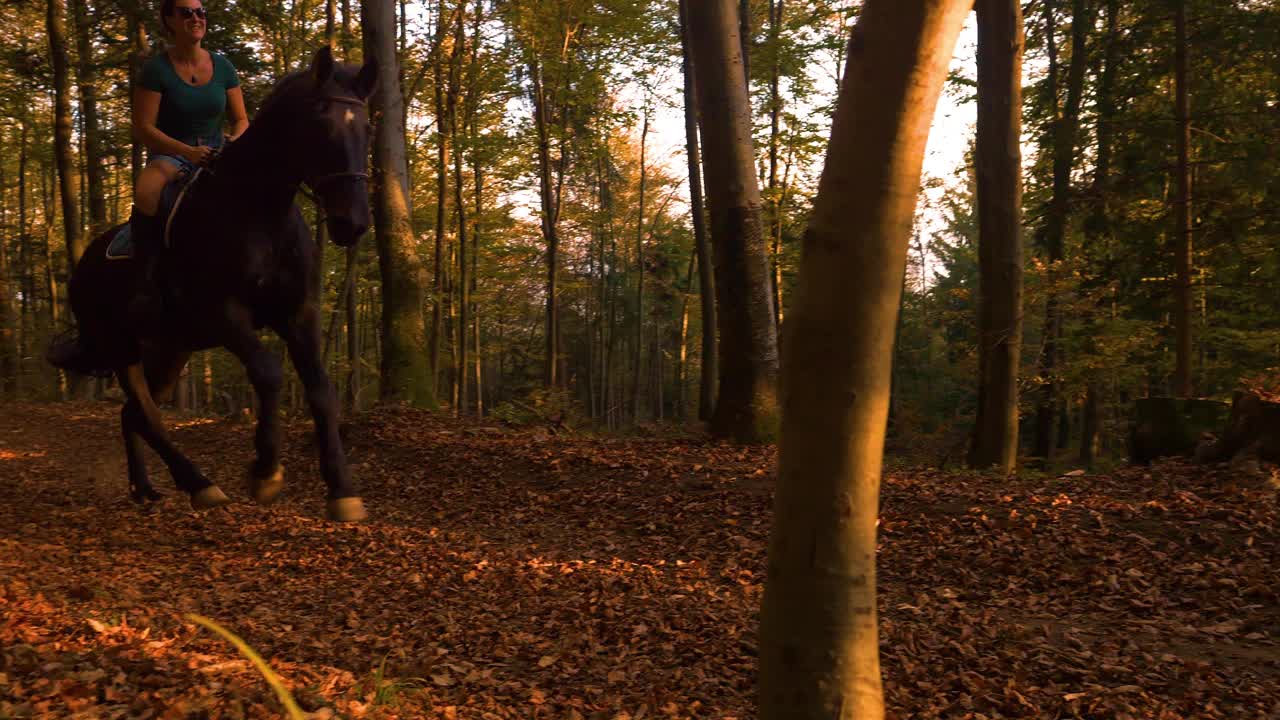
121,246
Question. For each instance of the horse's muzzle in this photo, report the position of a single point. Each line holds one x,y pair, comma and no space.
345,231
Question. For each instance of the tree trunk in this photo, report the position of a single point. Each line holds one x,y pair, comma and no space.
56,26
8,323
1097,226
819,651
1053,231
549,218
747,406
774,200
460,207
405,376
86,76
640,270
350,300
137,58
1182,240
701,243
998,158
442,191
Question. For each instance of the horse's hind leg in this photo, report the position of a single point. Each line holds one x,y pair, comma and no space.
142,418
266,475
303,338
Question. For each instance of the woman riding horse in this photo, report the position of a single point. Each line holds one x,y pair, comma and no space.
183,95
240,257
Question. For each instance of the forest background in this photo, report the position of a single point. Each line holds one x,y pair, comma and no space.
553,248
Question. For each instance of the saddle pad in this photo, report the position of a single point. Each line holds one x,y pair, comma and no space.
121,246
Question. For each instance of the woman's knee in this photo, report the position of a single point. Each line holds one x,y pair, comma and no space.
151,182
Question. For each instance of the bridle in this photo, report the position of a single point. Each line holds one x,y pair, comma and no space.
315,182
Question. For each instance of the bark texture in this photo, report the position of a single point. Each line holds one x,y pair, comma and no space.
56,27
999,169
1057,214
819,653
405,376
746,409
1182,310
86,78
702,243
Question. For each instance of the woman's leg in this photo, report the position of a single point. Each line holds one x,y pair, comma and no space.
151,181
146,307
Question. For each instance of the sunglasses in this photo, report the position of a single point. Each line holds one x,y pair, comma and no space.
188,12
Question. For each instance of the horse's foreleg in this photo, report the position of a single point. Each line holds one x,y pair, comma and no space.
140,488
266,475
303,340
142,418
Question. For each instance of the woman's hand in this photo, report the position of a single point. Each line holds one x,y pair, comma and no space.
199,155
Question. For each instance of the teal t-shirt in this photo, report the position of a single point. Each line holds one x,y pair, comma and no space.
190,113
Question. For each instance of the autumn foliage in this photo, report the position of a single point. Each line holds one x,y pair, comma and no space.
511,573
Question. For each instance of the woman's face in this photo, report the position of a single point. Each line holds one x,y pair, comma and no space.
187,20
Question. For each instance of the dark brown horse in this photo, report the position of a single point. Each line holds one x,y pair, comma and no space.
240,259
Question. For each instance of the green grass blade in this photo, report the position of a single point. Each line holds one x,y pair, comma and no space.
282,692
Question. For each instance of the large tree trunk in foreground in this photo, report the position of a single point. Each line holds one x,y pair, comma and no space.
999,164
702,245
405,376
1182,211
819,654
747,406
56,25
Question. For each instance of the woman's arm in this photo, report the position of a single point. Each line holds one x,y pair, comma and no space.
236,114
146,108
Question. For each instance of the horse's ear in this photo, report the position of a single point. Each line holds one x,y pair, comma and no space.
322,65
367,79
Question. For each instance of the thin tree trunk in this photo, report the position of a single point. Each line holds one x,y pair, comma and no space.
774,204
86,76
405,377
460,206
139,48
8,335
351,301
701,242
640,271
819,649
1182,241
442,164
999,169
1097,226
550,213
747,407
56,27
1053,231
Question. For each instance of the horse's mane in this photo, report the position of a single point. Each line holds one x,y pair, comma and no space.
300,84
291,87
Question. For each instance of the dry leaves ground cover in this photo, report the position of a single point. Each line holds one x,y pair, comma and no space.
512,574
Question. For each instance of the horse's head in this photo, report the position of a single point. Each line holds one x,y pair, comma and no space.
335,143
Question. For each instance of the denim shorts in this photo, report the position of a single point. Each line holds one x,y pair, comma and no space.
184,165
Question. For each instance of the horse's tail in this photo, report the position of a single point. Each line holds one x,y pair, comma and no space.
69,352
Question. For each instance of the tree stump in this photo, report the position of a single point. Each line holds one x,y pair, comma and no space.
1172,426
1252,432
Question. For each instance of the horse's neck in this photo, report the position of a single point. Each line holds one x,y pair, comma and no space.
256,172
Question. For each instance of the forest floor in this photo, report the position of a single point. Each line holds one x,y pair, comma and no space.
515,574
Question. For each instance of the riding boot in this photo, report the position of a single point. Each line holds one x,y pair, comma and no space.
146,307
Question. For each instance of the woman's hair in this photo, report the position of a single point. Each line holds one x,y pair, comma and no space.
166,9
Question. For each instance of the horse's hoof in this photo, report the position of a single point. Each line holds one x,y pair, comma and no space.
209,498
264,490
347,509
145,496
